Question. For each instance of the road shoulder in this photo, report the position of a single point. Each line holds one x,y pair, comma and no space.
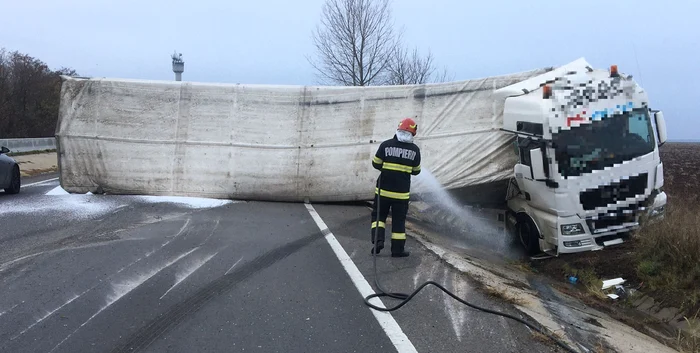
37,164
573,321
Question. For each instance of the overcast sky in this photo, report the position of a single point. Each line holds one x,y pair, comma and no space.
266,41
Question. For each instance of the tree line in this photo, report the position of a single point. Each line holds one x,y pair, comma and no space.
29,96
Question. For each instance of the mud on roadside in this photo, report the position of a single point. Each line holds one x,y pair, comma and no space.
583,326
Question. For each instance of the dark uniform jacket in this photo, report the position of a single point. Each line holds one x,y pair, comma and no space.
397,161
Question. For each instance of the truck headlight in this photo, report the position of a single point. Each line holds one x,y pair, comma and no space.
572,229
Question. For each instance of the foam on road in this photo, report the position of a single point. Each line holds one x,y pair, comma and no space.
123,288
194,266
215,275
76,207
191,202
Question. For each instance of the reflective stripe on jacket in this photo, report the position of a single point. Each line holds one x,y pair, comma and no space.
397,161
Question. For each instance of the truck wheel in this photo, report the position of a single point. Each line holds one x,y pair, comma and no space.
528,235
15,183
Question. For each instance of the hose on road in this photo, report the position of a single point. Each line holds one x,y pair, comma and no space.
405,298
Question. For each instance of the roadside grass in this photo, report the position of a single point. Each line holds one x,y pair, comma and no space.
668,253
690,342
668,263
588,278
520,266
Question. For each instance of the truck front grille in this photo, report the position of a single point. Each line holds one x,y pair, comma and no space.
609,194
619,217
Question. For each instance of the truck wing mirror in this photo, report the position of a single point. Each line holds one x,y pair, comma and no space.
538,172
660,127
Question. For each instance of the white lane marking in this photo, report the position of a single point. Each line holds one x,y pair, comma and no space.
234,265
385,319
38,183
183,275
122,289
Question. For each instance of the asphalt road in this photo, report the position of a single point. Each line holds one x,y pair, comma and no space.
89,273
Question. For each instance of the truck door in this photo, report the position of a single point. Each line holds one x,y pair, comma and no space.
530,188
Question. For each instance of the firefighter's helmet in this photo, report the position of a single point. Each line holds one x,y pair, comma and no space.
409,125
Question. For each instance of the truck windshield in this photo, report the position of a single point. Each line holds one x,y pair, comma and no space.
604,143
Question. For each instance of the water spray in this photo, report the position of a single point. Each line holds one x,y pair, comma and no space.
405,298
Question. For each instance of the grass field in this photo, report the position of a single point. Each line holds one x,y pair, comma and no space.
663,259
668,253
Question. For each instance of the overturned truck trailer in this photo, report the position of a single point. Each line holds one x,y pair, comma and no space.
268,142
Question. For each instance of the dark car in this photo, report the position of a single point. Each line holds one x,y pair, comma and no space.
9,173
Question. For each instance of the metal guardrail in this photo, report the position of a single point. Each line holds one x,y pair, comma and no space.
29,144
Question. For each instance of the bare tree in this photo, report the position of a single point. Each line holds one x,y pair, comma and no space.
355,42
407,69
443,76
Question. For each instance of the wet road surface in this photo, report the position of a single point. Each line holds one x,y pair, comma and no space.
96,273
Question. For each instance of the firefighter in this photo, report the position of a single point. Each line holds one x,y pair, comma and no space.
397,159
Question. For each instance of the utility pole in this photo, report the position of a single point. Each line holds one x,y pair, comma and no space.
178,65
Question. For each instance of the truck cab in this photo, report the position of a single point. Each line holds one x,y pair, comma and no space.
589,168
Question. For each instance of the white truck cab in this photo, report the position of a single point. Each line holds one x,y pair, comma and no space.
589,165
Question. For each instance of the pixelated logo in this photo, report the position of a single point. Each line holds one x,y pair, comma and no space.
582,94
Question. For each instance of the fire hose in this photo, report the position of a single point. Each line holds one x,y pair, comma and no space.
405,298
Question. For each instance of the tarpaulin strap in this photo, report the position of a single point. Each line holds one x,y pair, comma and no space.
393,195
398,236
381,224
398,167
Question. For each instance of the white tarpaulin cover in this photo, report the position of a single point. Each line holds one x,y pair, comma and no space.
282,143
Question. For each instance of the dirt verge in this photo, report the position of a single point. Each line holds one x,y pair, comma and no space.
534,296
37,163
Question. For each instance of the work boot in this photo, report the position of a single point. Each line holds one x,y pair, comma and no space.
400,254
397,248
379,247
